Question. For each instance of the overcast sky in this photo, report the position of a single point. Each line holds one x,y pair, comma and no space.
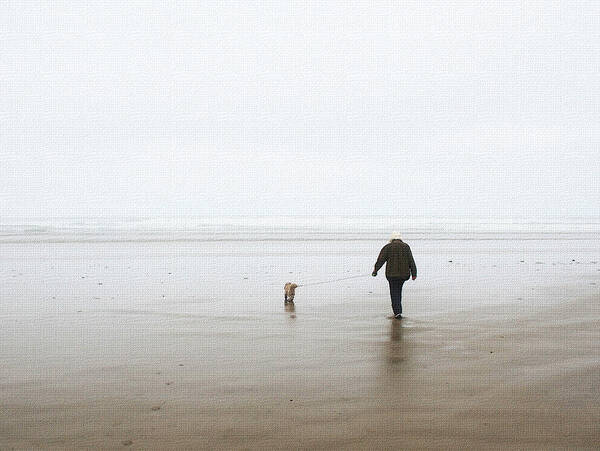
423,108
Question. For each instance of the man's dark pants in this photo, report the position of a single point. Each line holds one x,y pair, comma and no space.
396,294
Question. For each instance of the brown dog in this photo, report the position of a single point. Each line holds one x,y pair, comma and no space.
289,290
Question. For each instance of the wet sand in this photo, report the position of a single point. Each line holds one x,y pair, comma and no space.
189,346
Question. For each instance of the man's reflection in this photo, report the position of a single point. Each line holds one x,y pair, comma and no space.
396,351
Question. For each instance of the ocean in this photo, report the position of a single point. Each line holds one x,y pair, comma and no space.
294,228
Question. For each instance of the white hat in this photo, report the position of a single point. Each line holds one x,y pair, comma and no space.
395,236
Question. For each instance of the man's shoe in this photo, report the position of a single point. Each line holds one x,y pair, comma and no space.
398,316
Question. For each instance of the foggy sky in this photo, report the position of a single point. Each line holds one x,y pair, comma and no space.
423,108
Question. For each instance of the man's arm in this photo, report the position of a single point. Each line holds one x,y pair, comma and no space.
412,265
383,256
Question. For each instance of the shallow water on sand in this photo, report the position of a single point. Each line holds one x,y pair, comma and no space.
105,332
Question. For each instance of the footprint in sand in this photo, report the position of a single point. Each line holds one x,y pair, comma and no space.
127,443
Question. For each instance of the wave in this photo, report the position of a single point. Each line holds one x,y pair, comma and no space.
294,228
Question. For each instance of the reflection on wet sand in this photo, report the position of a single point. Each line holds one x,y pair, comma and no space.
396,347
290,307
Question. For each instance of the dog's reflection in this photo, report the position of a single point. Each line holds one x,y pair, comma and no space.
290,308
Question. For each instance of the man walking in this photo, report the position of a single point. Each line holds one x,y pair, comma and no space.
400,266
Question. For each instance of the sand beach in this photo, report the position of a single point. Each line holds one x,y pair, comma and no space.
152,340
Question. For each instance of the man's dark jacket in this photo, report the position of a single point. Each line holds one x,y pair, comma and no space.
400,262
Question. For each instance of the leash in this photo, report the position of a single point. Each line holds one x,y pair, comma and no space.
331,281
